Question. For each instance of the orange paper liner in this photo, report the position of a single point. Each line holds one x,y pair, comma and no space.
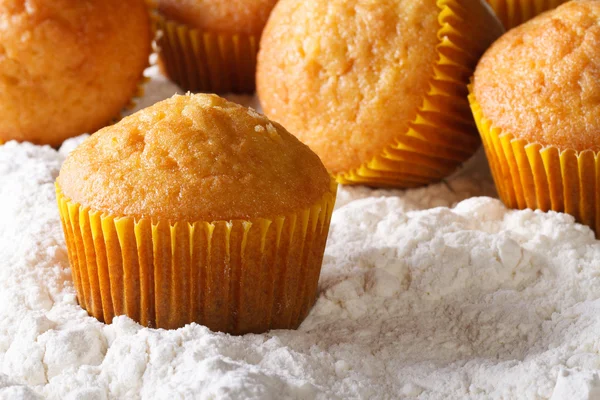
515,12
443,134
200,61
529,175
231,276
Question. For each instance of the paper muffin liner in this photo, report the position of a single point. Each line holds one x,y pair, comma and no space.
515,12
231,276
443,134
202,61
529,175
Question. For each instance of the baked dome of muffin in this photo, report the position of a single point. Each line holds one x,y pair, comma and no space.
196,210
231,16
350,78
194,158
536,100
541,81
68,67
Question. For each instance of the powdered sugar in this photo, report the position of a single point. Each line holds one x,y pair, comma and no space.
471,302
473,179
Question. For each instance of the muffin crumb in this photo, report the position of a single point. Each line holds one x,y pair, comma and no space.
252,112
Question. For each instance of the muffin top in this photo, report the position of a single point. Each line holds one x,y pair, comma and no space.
68,66
222,16
541,81
194,158
347,76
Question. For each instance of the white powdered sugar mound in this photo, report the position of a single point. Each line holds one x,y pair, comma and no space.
473,179
474,301
443,303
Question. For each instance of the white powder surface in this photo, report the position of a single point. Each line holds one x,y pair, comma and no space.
466,300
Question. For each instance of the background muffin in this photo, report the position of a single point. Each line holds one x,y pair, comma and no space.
536,97
68,67
515,12
196,209
377,89
211,45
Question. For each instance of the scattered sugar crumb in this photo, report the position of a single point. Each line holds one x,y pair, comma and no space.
253,113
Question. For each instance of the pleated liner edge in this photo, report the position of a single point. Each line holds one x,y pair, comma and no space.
442,135
201,61
515,12
231,276
529,175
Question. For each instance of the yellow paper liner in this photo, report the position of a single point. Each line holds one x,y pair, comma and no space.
200,61
443,134
515,12
231,276
529,175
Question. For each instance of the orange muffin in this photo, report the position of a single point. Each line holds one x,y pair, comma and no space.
536,99
196,210
377,89
515,12
211,45
69,67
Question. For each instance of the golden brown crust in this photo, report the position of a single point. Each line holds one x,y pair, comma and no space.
541,81
194,158
230,16
347,76
68,66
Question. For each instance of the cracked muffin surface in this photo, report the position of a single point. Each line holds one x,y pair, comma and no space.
540,81
194,157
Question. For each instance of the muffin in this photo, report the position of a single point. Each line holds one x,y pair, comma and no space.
196,210
515,12
377,89
536,100
211,45
69,67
